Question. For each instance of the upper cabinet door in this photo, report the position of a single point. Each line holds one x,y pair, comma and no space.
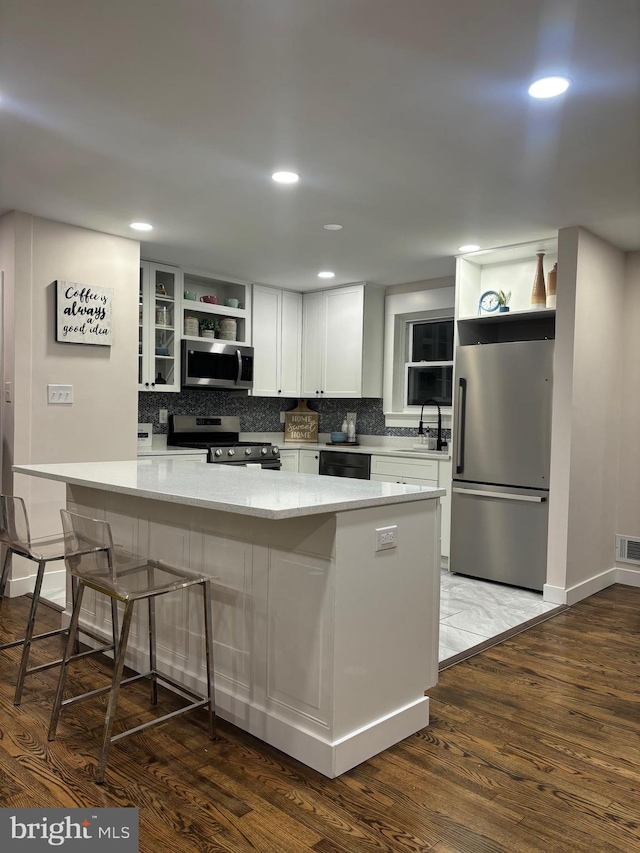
277,326
267,303
313,346
290,343
343,325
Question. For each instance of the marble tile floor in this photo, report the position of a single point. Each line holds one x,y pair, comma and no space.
473,611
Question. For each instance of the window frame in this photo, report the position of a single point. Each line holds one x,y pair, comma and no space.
408,337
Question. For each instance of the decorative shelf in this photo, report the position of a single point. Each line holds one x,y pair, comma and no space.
506,316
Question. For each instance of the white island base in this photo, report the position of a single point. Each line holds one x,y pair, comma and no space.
324,648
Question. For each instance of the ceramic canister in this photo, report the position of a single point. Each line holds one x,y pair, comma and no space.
228,329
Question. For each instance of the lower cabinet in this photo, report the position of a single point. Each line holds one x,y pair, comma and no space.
420,472
289,460
300,461
309,462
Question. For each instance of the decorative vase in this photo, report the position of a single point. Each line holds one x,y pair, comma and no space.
551,287
538,295
208,333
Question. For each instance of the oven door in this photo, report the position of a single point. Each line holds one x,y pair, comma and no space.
216,365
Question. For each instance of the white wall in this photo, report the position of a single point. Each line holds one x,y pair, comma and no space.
586,408
101,423
628,508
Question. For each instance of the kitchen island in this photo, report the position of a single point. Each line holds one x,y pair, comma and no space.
324,646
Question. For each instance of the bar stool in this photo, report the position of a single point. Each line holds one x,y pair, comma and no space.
15,535
89,556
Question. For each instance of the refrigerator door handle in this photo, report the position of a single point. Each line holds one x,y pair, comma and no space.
504,496
461,409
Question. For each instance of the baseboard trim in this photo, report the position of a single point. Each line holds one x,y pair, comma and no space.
52,583
630,577
574,594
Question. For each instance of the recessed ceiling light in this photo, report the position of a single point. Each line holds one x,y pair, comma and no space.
141,226
333,226
548,87
326,274
285,177
469,247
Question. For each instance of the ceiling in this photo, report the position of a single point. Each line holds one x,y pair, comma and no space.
408,121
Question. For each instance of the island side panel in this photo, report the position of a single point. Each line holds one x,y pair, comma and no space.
386,615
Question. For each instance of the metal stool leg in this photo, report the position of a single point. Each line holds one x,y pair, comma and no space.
208,639
152,641
5,572
68,651
115,633
26,648
115,689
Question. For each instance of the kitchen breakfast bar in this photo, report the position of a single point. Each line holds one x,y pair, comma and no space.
324,646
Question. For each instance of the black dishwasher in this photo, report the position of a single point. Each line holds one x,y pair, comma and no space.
338,463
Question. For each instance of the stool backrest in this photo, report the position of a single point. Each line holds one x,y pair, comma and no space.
88,546
14,524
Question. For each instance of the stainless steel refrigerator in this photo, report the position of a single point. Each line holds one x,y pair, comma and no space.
501,452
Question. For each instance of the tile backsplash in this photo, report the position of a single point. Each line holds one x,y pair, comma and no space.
262,414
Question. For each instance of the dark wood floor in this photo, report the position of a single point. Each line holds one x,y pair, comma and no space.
533,746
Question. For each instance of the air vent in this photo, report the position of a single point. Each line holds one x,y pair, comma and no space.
627,549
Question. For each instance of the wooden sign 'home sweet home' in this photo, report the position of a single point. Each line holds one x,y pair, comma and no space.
301,424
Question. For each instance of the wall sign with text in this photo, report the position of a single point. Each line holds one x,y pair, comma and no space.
84,314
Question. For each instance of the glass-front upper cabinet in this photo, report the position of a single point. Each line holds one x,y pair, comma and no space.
160,309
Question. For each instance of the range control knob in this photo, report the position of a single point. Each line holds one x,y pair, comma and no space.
264,451
275,450
247,452
231,452
217,452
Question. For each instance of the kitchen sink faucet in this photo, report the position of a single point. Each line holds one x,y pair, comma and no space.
439,441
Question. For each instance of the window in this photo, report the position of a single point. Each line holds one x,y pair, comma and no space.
429,365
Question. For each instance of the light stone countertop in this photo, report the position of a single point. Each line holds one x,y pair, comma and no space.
240,490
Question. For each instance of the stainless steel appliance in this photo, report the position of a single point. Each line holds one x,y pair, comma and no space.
216,365
501,453
220,437
337,463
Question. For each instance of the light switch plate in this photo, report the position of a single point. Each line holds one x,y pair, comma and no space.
60,394
162,416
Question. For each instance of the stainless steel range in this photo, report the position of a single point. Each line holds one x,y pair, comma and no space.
219,436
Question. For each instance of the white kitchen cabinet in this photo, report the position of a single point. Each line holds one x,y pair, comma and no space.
289,460
510,269
309,462
420,472
342,342
231,301
160,301
277,337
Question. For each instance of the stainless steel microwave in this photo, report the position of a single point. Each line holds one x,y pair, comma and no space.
216,365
